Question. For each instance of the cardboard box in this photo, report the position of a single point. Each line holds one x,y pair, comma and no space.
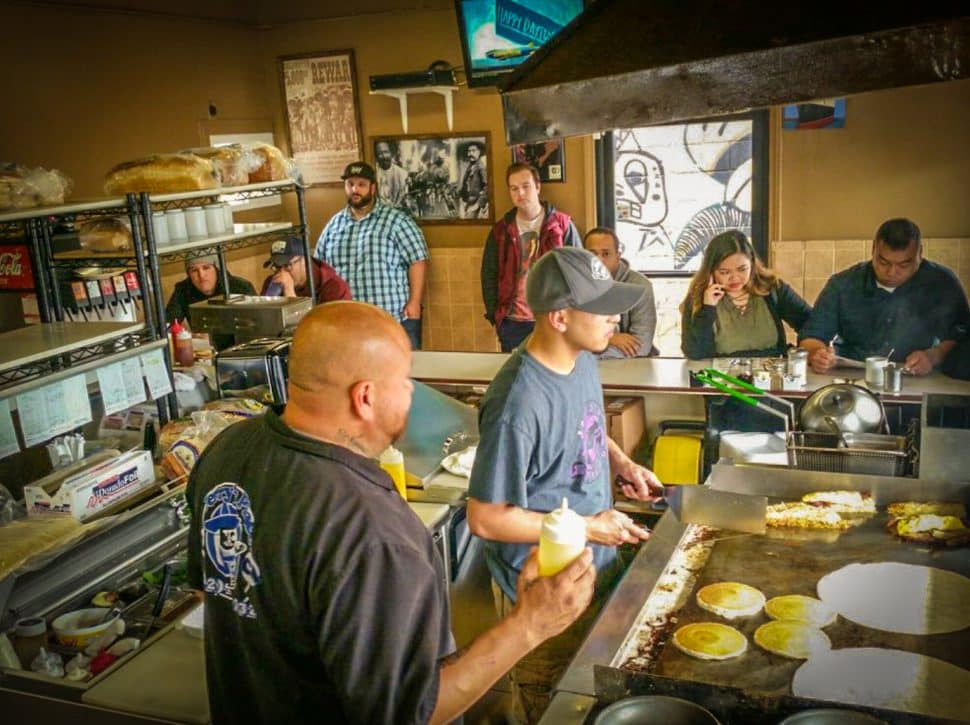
625,421
92,489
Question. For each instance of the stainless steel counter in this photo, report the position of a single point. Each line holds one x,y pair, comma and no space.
655,374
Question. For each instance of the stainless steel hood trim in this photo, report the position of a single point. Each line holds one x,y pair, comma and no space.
702,88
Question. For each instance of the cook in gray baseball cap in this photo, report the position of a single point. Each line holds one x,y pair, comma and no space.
572,278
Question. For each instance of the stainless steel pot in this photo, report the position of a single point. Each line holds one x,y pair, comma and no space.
852,408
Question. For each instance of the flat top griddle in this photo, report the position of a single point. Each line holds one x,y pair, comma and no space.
791,562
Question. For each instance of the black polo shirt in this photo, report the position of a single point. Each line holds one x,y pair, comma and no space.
325,597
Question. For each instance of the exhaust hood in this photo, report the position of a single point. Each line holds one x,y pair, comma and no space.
626,63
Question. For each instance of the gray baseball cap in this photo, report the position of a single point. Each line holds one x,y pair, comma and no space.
570,277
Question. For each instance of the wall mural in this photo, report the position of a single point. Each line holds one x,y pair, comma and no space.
678,186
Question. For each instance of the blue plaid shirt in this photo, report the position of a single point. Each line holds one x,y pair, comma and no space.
373,254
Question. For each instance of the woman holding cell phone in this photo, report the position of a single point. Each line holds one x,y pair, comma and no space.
735,305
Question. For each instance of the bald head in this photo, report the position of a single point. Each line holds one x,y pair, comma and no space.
340,343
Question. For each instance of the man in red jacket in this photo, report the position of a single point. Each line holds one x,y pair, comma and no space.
523,235
289,278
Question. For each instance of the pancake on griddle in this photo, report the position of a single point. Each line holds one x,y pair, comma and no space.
799,608
710,641
730,599
795,640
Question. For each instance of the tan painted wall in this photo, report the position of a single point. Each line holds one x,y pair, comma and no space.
903,152
407,41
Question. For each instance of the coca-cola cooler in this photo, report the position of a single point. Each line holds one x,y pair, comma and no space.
16,280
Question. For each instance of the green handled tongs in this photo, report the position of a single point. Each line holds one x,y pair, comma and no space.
708,375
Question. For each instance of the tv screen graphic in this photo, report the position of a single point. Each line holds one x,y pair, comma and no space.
499,35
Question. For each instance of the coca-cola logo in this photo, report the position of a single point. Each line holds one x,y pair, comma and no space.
10,265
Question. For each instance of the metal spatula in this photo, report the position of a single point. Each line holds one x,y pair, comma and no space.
699,504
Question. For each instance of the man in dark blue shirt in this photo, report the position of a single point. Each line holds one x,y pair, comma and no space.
897,304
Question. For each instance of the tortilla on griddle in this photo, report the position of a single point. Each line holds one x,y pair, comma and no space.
799,608
710,641
730,599
795,640
896,597
886,678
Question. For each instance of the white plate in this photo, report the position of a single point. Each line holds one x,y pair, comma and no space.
460,463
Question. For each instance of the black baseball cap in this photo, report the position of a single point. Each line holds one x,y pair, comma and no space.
361,169
283,250
572,278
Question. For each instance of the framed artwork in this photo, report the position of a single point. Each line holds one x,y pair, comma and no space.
322,113
549,157
438,179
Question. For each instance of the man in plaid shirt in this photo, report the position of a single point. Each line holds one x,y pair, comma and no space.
378,250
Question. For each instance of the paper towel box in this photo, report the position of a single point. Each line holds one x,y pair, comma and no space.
87,492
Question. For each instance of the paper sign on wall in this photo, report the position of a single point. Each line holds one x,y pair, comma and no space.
54,409
8,436
156,374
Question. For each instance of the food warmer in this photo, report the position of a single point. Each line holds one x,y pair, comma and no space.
141,555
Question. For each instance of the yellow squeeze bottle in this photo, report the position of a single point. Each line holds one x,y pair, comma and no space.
562,540
392,461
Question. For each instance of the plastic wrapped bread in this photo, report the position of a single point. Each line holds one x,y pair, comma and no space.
22,187
265,163
228,162
105,235
162,174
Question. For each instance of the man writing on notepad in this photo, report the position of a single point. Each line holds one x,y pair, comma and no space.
897,304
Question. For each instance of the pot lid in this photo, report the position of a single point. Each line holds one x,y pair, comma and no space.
853,408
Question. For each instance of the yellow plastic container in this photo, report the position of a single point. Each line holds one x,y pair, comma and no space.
677,459
392,461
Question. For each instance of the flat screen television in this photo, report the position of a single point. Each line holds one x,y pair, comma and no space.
499,35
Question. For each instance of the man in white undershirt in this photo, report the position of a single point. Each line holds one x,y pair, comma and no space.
517,240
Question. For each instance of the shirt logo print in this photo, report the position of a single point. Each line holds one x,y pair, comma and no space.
592,444
230,568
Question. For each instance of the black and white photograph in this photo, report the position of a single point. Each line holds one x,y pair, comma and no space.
436,179
549,157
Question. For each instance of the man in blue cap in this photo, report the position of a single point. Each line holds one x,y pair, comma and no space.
289,278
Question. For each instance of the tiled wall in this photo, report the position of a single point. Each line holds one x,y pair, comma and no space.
453,305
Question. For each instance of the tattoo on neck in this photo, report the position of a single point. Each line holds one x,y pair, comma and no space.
345,437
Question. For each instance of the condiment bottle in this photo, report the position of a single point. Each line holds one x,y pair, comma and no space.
392,461
184,354
29,635
562,540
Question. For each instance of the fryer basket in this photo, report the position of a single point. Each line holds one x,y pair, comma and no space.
866,453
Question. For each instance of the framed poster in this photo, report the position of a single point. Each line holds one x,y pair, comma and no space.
322,113
438,179
549,157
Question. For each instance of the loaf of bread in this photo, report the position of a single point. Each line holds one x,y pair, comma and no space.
227,161
161,174
265,163
105,235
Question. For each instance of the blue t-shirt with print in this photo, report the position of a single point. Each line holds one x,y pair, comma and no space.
543,439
